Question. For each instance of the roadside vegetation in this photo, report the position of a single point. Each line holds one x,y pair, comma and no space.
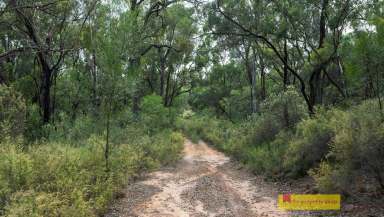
341,149
66,172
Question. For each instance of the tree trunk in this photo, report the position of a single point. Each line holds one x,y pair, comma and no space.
54,98
253,83
250,67
285,85
135,106
107,144
162,75
2,77
342,76
315,81
162,59
262,77
286,71
253,87
95,101
167,90
45,97
43,57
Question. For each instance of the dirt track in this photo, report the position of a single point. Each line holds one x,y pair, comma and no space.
204,184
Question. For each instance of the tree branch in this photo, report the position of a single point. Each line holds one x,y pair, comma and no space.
274,49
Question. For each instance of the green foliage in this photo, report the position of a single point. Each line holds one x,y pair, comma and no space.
57,179
364,54
325,178
12,113
336,147
356,149
310,144
191,126
287,107
211,130
165,147
34,123
155,115
237,103
75,132
267,158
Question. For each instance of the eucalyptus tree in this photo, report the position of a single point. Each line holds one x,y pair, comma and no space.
168,56
305,48
45,30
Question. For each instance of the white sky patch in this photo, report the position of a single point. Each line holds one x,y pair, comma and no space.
117,7
2,5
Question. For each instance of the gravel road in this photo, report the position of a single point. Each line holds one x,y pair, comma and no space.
204,184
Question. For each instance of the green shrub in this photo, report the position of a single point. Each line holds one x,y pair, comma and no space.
357,148
155,116
34,123
324,177
335,147
165,148
30,203
310,144
12,113
75,132
287,108
214,131
15,171
58,179
194,127
261,129
187,114
260,138
268,158
237,103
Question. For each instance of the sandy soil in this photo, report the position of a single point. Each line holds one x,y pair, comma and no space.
204,184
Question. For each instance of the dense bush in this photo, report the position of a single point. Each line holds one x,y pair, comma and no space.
55,179
12,113
267,158
286,108
75,131
236,104
310,144
336,147
34,123
356,151
165,147
196,126
63,172
155,116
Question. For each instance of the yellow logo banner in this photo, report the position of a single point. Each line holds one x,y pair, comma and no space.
313,202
